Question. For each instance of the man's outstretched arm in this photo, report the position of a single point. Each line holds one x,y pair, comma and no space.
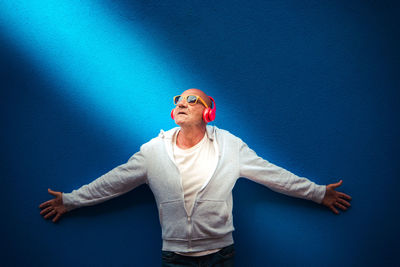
53,207
114,183
334,199
280,180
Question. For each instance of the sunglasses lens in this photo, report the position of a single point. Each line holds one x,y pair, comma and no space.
191,99
177,99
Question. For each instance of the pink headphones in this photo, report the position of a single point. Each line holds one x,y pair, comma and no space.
208,113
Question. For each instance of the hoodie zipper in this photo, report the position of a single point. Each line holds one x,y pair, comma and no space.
168,147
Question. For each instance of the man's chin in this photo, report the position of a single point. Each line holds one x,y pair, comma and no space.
183,123
180,122
181,118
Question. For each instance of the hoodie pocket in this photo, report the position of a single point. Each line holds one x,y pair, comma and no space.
211,218
173,220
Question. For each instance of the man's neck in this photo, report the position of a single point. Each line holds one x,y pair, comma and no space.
189,137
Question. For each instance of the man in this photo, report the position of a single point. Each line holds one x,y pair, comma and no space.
191,171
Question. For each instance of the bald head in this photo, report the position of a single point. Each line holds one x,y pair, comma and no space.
200,93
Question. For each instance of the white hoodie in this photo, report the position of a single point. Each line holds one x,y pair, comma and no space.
209,225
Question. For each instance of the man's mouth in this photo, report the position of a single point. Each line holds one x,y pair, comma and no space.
182,112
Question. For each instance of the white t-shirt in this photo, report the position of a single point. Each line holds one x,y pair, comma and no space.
195,165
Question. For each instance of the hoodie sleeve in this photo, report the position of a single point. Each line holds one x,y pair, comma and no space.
112,184
276,178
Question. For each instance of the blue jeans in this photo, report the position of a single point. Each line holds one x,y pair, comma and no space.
222,258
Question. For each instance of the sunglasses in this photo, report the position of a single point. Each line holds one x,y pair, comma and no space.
190,99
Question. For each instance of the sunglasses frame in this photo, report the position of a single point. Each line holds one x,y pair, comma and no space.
186,97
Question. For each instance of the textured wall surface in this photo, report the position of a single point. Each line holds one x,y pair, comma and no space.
311,86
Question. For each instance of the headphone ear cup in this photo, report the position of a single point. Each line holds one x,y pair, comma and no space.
172,114
211,114
207,115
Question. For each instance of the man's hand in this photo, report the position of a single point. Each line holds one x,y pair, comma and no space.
334,199
53,207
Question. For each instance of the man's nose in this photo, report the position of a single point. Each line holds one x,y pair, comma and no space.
182,103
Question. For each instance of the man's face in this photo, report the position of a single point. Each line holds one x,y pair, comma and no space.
186,114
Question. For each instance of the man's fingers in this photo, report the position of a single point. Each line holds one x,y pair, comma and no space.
49,202
54,193
45,204
46,210
50,214
337,204
344,202
334,186
334,210
57,217
343,195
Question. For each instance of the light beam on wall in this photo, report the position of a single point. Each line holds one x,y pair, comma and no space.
109,67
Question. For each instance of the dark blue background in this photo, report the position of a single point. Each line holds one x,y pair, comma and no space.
312,86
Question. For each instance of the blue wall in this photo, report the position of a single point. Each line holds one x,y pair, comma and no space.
312,86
